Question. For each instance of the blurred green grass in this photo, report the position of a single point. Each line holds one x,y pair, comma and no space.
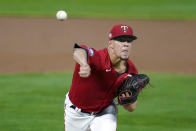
35,102
128,9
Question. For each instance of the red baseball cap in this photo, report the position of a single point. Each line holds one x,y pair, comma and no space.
121,30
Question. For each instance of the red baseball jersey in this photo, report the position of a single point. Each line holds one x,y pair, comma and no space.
96,92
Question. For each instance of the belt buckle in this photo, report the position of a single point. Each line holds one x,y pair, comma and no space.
92,113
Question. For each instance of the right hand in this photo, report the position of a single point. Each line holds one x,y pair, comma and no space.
85,71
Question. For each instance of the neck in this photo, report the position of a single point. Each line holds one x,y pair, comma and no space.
113,58
118,64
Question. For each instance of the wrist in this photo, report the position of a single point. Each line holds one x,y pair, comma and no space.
83,64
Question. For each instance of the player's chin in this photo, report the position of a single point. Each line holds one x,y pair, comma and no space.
124,57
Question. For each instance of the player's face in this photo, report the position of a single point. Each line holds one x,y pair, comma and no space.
122,49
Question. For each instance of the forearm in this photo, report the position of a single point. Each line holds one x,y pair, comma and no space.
80,56
131,106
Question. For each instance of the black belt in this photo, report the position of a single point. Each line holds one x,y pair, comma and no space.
81,110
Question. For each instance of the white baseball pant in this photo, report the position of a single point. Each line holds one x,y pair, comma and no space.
75,120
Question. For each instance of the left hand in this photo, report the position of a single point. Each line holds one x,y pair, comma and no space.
126,94
130,88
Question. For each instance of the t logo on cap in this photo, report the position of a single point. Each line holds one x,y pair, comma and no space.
124,28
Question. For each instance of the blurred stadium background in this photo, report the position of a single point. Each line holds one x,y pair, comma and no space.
36,59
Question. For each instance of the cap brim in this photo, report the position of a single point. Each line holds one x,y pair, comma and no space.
127,36
133,37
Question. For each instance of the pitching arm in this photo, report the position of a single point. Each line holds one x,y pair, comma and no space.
80,56
130,107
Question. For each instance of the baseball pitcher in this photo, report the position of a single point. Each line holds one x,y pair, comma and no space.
99,77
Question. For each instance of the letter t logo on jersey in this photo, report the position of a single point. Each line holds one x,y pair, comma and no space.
124,28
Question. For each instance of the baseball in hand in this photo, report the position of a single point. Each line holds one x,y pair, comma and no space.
61,15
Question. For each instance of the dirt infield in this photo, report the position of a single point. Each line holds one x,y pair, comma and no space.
44,45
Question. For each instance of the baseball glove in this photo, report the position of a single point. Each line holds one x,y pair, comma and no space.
130,88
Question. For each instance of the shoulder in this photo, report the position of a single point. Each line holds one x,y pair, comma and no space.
101,59
102,53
